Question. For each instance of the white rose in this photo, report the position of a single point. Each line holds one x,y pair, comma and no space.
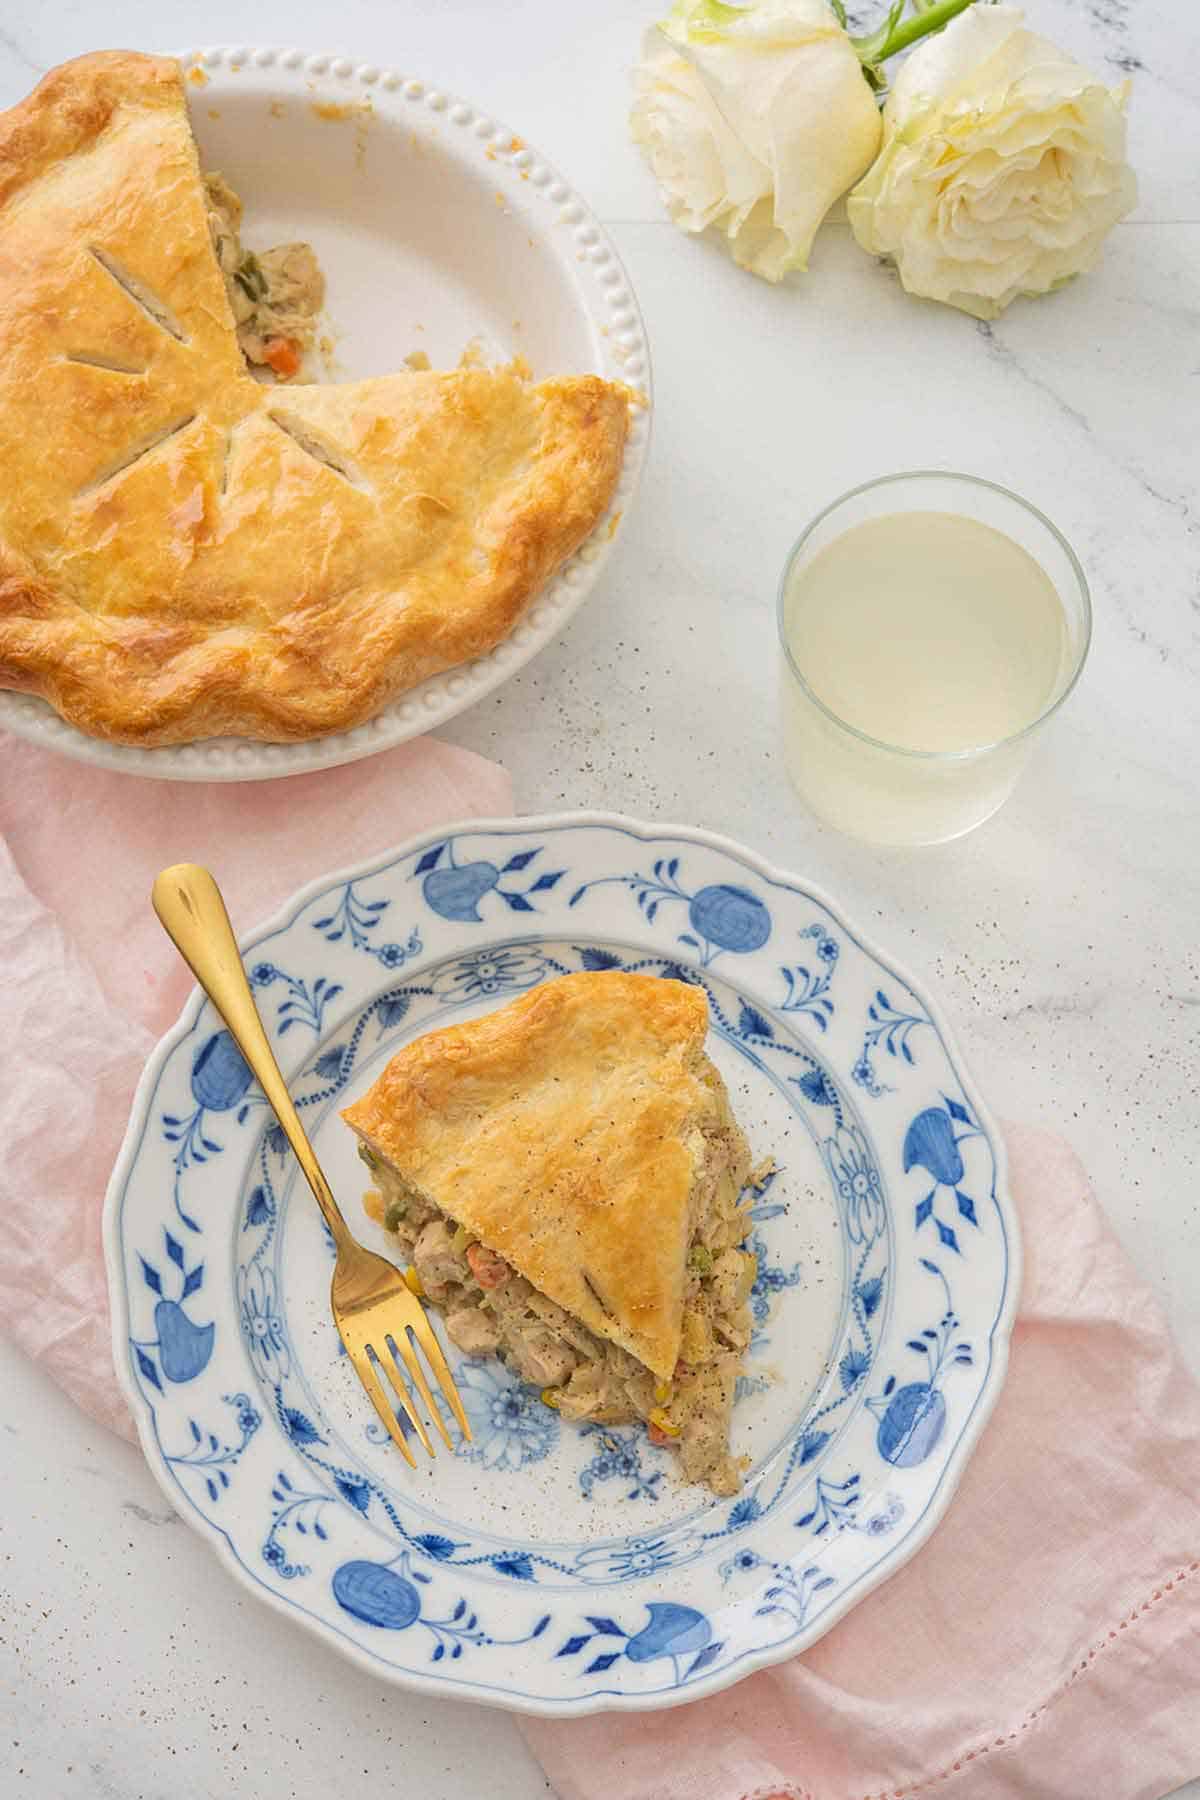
755,120
1002,169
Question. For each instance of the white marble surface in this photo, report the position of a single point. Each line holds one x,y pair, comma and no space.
1062,937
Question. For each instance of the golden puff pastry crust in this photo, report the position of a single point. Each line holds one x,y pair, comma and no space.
566,1132
185,552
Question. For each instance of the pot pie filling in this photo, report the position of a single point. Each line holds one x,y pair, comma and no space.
275,295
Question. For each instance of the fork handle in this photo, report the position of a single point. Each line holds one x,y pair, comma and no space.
190,908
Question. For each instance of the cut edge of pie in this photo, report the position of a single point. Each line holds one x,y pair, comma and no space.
187,553
565,1175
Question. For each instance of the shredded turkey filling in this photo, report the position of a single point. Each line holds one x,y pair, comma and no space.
275,294
490,1310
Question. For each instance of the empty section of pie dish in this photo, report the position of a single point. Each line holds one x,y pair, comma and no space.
568,1563
442,235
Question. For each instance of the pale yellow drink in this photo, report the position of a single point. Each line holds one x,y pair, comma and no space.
937,639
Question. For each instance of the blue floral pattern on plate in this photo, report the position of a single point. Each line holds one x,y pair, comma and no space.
509,1425
545,1566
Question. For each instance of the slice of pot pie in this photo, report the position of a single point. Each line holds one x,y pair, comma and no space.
564,1176
186,551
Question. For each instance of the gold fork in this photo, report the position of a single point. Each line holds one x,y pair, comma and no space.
377,1315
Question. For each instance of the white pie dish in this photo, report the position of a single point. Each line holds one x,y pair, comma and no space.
438,229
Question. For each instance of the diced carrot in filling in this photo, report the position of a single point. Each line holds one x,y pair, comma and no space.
282,355
489,1270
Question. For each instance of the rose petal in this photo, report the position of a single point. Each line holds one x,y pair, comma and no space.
755,124
1002,170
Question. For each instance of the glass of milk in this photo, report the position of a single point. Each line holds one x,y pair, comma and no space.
930,625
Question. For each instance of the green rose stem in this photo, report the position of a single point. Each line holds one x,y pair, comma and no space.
898,33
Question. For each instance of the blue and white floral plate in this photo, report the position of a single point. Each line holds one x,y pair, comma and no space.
547,1567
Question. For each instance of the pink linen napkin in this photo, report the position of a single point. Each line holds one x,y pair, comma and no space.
90,981
1045,1644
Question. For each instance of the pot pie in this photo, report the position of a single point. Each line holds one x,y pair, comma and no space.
564,1177
186,551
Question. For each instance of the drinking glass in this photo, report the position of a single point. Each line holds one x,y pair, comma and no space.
882,791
